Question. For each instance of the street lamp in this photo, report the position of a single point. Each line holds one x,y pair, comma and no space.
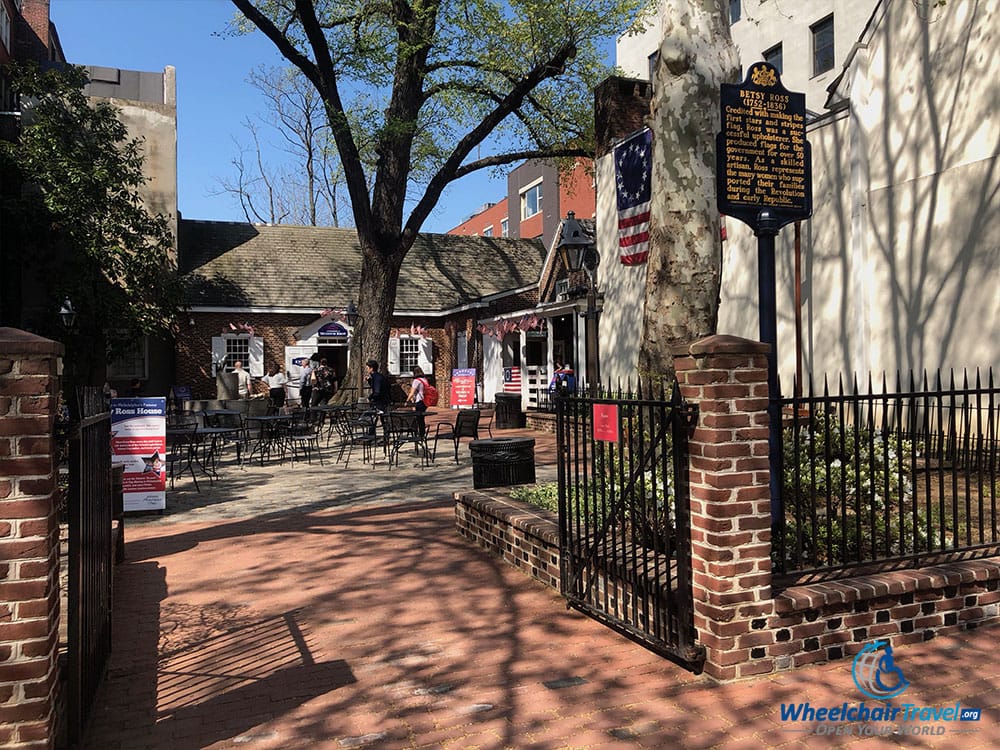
354,318
578,253
67,314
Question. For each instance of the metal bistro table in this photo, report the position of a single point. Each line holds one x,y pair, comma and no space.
271,435
201,445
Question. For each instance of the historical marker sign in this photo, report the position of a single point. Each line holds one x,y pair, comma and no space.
763,159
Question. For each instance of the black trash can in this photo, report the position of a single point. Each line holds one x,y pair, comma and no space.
508,411
501,462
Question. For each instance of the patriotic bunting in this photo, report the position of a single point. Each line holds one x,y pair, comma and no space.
633,167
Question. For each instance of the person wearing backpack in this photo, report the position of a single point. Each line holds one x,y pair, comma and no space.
323,379
419,388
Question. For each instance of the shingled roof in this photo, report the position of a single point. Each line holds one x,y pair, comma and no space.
231,264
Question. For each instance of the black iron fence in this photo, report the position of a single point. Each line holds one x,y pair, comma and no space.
624,516
875,480
91,542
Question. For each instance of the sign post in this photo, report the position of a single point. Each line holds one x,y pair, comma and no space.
139,441
764,179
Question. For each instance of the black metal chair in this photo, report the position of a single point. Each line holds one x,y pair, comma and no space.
181,444
404,428
466,425
357,430
302,435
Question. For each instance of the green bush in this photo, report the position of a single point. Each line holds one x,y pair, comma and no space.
848,497
540,495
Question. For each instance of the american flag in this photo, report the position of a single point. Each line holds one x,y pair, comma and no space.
512,380
633,166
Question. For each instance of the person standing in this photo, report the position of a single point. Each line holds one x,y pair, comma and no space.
378,395
276,386
242,380
305,384
416,396
322,383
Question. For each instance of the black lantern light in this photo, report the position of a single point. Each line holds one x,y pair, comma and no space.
576,248
67,313
352,314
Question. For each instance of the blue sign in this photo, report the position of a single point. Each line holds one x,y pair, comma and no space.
876,674
332,330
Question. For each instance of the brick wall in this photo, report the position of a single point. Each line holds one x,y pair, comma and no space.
29,540
194,341
515,532
621,106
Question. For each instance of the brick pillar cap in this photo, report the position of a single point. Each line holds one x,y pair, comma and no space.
722,344
16,341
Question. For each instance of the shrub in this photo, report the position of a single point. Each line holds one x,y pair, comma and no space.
847,494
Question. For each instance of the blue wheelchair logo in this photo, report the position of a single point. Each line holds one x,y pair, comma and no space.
876,674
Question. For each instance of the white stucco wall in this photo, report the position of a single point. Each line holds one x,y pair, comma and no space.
763,25
901,259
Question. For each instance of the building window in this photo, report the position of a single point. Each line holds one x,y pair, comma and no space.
409,353
405,352
229,347
773,57
735,11
488,231
237,349
531,201
131,363
651,63
822,45
4,27
504,228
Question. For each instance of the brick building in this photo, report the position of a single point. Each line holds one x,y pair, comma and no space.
537,199
267,295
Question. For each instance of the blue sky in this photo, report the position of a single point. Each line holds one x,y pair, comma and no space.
213,97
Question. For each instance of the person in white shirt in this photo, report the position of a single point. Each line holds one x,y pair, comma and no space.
275,381
242,380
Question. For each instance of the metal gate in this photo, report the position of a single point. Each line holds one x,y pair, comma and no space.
624,517
91,543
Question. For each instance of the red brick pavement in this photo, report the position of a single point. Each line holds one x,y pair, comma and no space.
379,627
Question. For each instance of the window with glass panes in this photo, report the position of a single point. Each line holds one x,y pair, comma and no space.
409,350
773,56
735,10
237,348
822,44
531,201
130,363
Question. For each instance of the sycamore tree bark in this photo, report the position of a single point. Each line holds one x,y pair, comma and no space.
437,90
685,259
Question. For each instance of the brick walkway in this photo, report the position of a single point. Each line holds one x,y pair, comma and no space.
317,607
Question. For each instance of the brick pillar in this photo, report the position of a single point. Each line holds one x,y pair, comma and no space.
29,540
726,377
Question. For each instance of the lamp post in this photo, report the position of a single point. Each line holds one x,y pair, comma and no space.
354,318
67,314
578,253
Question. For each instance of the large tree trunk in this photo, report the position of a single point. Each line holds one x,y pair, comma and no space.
379,279
685,259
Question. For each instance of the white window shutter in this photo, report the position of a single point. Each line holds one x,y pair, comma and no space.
218,354
425,356
393,363
256,357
